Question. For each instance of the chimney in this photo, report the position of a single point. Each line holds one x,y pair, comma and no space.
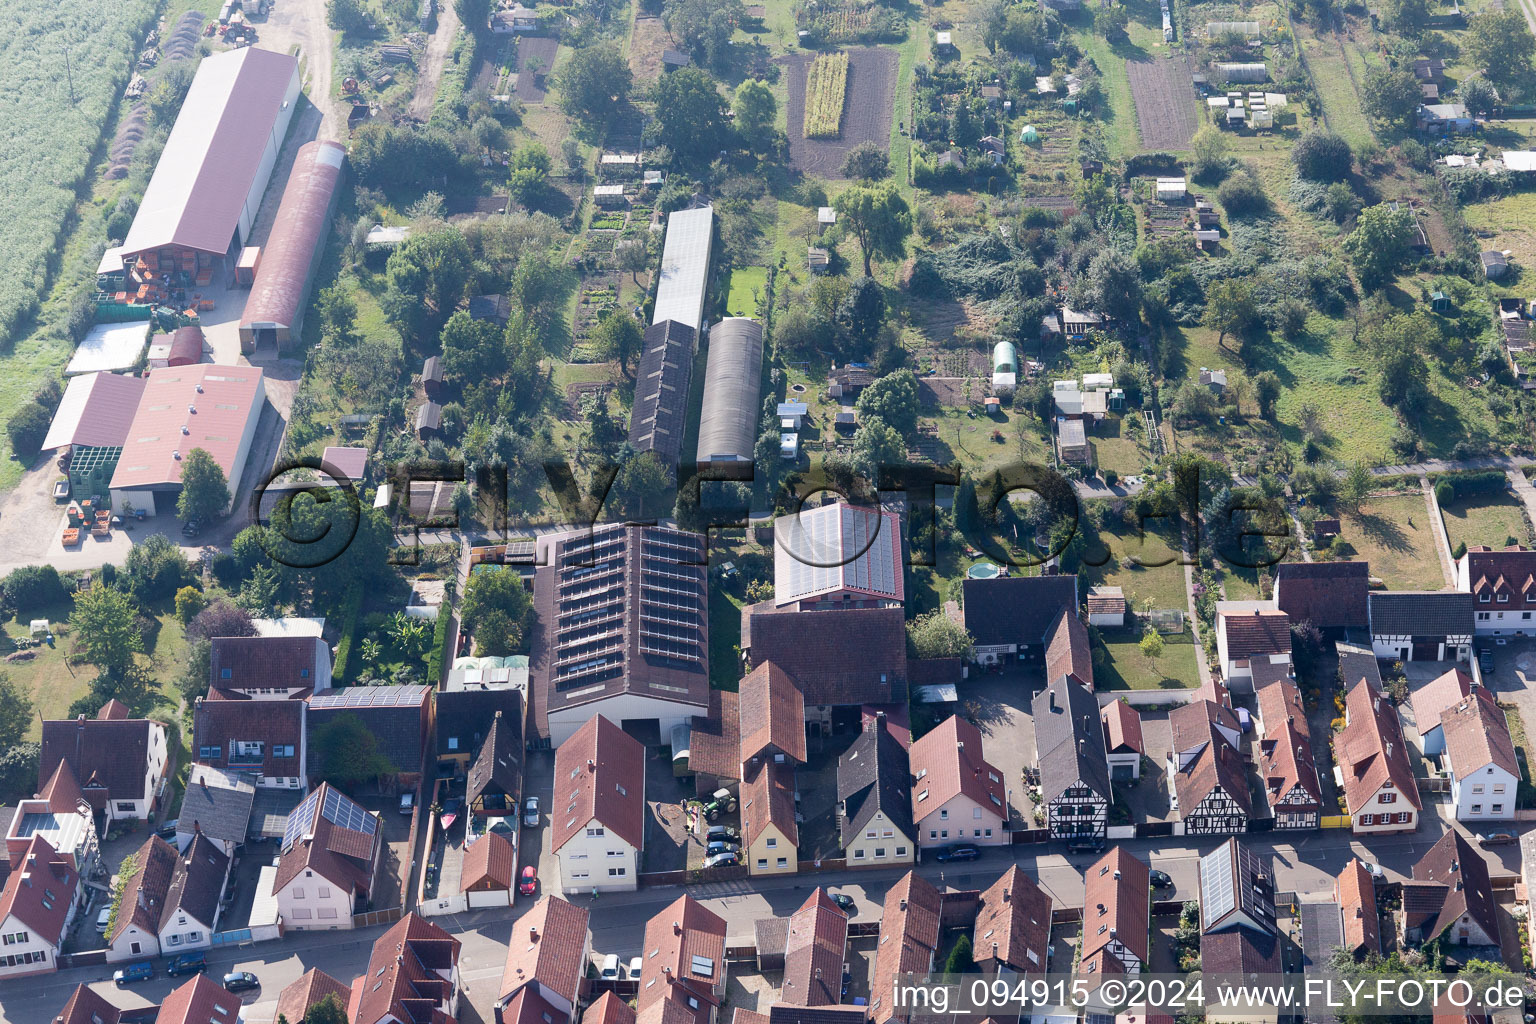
1054,708
903,904
677,928
1117,874
533,933
1389,748
203,778
994,951
1377,703
667,971
26,879
960,746
1006,894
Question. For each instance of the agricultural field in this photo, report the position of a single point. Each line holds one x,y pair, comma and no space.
826,83
866,115
1166,114
64,65
1492,519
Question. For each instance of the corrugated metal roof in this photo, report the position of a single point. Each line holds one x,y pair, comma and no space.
109,347
732,379
96,410
212,155
301,224
685,267
225,397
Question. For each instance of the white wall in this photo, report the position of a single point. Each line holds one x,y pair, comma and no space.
252,203
258,402
861,850
1131,760
316,903
134,944
28,945
586,860
187,932
961,824
1476,796
1512,618
1376,808
564,723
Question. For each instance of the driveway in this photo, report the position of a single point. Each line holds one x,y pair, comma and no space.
1148,798
999,705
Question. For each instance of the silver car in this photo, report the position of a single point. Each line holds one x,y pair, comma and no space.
531,812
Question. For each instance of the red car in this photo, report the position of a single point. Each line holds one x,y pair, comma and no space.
528,882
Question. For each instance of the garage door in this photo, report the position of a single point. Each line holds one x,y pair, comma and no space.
1426,651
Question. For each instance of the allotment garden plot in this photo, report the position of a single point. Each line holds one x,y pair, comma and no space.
1165,102
870,92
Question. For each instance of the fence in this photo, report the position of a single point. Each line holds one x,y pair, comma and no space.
373,917
89,958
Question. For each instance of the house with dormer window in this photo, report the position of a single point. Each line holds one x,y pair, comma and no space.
1503,588
956,794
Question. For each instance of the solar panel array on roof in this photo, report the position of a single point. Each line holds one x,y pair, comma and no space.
302,821
1217,897
369,697
833,548
341,811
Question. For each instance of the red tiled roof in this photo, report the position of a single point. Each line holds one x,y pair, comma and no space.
1287,763
1356,895
403,980
1255,633
62,791
839,656
909,940
299,997
85,1006
1330,595
813,952
1453,879
1510,571
1122,727
489,863
40,890
771,713
1370,750
768,798
947,762
528,1006
599,773
1477,735
1442,692
1067,651
1116,904
144,891
1280,702
113,710
109,757
715,741
1217,763
225,399
546,946
287,662
1013,921
344,856
609,1009
679,942
199,1001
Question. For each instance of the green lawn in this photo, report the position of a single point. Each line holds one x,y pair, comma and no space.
1127,456
724,638
749,291
1394,535
1506,223
1485,519
1158,582
1125,668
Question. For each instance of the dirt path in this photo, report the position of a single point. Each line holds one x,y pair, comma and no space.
301,23
1437,524
432,63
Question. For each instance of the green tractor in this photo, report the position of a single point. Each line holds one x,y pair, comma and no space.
721,801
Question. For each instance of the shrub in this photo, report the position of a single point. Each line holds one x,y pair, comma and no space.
1444,492
1322,156
1242,196
1111,478
1459,550
34,586
189,601
27,429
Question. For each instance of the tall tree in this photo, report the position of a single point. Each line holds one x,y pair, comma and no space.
1380,244
617,336
936,635
106,634
705,27
892,399
1357,484
204,488
691,115
1229,308
15,712
348,754
1391,96
475,16
1499,44
426,277
756,111
593,83
879,218
497,591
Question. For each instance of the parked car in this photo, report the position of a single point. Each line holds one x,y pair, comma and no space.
1161,880
187,963
132,973
1374,870
1485,660
531,812
721,847
722,860
407,803
241,981
610,970
843,900
1498,838
104,919
960,851
636,965
168,830
529,881
720,833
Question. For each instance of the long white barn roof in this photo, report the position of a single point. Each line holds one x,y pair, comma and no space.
210,159
685,267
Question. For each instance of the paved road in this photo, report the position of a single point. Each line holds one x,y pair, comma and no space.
1305,863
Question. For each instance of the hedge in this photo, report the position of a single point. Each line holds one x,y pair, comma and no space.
1475,481
352,606
434,657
